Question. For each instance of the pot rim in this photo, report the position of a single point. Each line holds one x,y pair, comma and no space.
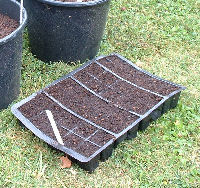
73,4
20,27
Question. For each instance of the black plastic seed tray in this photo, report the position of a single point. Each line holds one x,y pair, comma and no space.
97,106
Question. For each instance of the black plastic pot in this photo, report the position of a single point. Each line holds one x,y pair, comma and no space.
66,31
10,55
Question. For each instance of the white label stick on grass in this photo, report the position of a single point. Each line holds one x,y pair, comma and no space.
55,129
21,12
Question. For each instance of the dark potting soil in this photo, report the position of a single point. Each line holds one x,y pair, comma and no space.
90,81
36,106
130,97
87,105
96,78
43,124
7,25
74,131
109,110
85,130
113,89
101,137
128,72
79,145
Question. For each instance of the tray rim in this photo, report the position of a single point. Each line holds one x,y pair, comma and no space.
72,153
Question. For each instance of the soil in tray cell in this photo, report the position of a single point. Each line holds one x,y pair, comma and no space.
85,130
68,92
65,119
128,72
131,97
91,107
101,137
94,70
87,149
79,145
75,97
111,117
107,78
43,124
7,25
36,105
96,83
64,89
90,81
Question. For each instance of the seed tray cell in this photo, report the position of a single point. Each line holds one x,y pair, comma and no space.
136,76
91,107
96,107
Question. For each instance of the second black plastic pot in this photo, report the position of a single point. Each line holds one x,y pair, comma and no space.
66,31
10,55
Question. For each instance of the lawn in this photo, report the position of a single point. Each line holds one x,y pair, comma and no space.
162,36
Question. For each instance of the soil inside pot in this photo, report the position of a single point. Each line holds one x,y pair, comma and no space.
128,72
7,25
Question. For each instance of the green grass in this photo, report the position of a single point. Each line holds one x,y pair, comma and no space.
164,36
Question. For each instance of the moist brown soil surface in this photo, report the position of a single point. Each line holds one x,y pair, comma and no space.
85,130
131,98
74,131
101,138
135,76
96,78
87,105
77,134
7,25
119,92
